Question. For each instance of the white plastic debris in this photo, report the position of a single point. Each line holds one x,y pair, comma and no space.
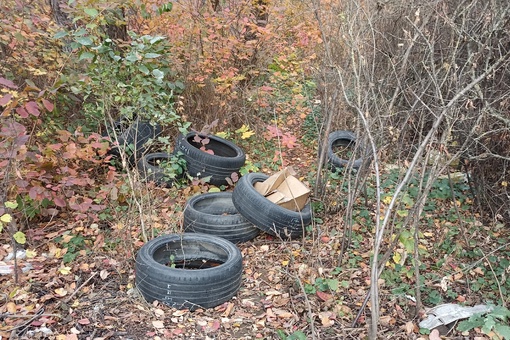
20,255
44,330
450,312
9,269
6,270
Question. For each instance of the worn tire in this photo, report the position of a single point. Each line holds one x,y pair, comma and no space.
215,214
135,138
150,171
194,287
227,158
266,215
341,138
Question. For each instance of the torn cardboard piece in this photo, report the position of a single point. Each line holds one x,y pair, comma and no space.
285,190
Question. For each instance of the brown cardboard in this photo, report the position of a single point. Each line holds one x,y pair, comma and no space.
285,190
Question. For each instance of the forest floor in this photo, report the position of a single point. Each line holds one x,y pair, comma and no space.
290,290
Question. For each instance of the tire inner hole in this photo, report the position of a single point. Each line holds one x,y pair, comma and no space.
343,148
219,149
194,264
193,255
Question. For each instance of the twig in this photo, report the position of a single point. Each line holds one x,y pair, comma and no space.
497,281
80,287
308,306
21,316
29,321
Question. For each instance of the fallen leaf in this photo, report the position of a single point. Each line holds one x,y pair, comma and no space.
61,292
64,270
324,296
387,320
478,271
325,319
158,324
180,312
283,313
434,335
409,327
159,312
11,307
104,274
273,292
227,311
31,254
84,321
325,239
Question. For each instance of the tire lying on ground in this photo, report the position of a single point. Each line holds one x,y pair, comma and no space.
266,215
188,271
215,214
342,139
222,159
134,139
151,171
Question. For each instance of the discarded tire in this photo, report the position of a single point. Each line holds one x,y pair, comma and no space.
341,139
150,169
266,215
225,157
215,214
188,271
134,139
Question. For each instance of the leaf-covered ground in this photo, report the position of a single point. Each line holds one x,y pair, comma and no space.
77,279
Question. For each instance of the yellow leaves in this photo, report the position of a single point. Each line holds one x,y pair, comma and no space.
504,184
245,132
19,237
31,253
6,218
397,257
387,200
36,72
64,270
11,204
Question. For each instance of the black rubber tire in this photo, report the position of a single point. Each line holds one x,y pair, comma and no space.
215,214
343,138
136,135
191,288
227,158
150,171
266,215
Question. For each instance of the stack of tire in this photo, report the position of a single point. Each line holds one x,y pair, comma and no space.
213,223
222,160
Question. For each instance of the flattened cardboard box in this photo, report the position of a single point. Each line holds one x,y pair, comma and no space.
285,190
